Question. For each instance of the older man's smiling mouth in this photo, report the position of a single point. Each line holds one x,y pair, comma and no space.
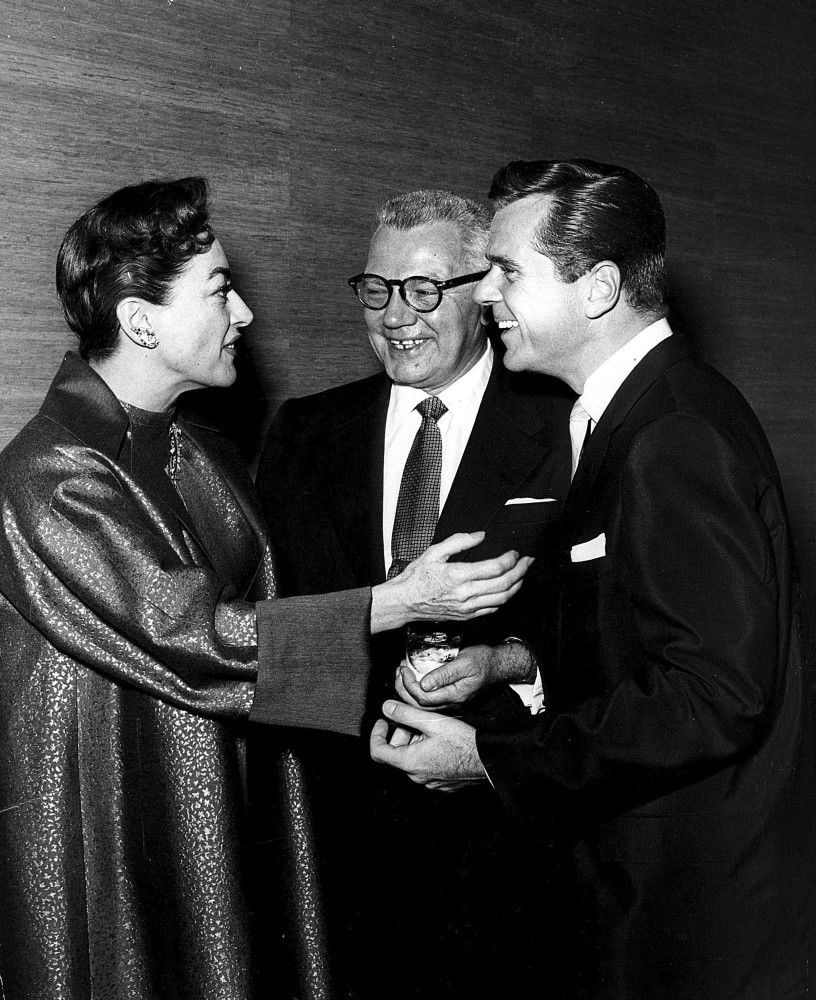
408,345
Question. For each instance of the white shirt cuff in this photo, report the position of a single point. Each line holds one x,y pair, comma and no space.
532,695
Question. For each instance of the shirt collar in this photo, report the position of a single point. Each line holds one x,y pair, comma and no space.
605,381
468,389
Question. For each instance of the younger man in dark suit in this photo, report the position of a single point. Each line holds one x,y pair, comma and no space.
331,476
674,753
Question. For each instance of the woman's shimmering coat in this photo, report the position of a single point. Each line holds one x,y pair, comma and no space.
128,665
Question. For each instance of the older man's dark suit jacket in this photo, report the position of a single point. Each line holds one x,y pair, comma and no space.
320,476
676,745
393,852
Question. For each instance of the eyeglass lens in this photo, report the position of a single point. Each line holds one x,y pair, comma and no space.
420,293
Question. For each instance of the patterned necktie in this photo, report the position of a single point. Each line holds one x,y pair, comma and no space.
580,427
418,501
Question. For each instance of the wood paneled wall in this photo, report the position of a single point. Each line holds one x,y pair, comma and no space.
305,115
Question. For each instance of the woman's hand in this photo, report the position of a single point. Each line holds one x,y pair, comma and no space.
430,588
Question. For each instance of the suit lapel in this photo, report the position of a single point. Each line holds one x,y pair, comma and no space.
656,362
514,432
513,410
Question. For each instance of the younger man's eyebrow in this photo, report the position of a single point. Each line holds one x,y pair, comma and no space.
502,261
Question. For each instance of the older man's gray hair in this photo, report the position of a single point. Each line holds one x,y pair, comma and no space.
418,208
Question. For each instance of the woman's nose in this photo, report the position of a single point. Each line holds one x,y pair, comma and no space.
241,313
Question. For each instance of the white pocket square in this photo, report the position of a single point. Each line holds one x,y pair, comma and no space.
517,500
595,548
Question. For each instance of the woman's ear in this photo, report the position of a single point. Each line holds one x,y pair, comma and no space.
134,321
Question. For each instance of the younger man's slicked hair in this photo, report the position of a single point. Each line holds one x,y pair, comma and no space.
595,211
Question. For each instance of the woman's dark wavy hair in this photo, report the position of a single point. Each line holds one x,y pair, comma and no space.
596,212
134,242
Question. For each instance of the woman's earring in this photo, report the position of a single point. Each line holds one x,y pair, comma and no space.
147,338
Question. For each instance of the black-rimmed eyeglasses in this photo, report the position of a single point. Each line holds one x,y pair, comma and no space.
420,293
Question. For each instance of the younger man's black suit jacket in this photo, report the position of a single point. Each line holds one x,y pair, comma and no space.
675,753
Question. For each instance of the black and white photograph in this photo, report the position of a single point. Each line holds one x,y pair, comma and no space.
407,500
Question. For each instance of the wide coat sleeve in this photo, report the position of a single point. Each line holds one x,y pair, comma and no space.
105,584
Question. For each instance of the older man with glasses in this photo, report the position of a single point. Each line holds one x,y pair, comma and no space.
356,481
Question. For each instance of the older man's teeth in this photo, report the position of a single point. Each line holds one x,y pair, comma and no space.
407,345
507,324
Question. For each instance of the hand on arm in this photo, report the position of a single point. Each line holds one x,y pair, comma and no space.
431,588
444,757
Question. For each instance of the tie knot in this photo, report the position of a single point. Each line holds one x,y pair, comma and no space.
431,406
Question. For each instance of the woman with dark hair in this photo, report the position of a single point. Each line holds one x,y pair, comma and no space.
136,635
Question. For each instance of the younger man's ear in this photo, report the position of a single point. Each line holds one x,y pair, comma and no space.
603,289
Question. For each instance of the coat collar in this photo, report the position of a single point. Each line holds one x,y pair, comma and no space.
80,401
